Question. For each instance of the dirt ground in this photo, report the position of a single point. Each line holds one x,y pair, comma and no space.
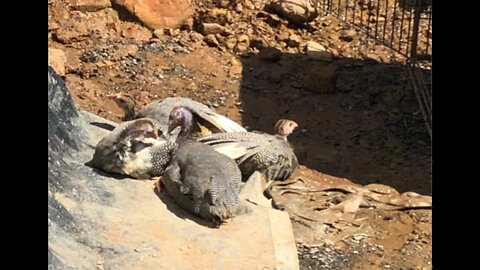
358,117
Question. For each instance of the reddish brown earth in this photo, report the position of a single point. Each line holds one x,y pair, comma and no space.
358,117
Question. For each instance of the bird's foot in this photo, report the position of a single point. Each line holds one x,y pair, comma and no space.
157,184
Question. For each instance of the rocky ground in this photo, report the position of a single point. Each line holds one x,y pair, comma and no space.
358,116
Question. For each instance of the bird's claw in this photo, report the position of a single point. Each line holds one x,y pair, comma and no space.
157,184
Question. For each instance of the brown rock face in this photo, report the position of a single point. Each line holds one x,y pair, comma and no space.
158,13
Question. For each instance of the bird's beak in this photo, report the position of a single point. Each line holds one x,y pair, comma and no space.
171,126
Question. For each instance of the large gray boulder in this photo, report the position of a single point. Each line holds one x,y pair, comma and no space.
101,221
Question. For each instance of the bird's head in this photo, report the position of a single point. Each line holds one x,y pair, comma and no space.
180,117
285,127
142,130
126,102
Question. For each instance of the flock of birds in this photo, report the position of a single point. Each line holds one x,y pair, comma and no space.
202,157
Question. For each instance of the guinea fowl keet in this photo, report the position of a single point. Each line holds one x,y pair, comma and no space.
204,121
134,148
258,151
200,179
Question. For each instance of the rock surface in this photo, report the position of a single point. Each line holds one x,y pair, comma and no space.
317,52
90,5
96,221
158,13
370,130
296,11
57,60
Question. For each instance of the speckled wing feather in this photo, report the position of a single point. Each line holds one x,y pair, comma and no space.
256,151
160,111
123,152
203,181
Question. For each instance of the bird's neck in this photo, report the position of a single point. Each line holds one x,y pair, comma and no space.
283,137
184,133
130,115
129,109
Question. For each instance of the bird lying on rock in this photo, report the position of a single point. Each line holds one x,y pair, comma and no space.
119,151
205,120
200,179
258,151
135,148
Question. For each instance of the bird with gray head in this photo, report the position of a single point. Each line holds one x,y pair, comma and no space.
135,148
269,154
205,121
200,179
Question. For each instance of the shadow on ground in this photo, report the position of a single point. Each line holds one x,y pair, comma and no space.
358,119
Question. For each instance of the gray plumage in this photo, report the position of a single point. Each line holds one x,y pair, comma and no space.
118,153
200,179
257,151
134,148
160,111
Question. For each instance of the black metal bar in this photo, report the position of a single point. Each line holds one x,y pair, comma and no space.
429,29
416,26
354,9
376,18
401,27
415,11
346,9
361,13
368,19
427,95
393,22
417,89
385,21
338,8
403,34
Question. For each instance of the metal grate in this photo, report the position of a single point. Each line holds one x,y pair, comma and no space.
403,25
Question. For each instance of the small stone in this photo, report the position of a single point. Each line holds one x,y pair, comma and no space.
212,28
258,43
211,40
57,60
90,5
168,32
158,33
195,37
373,57
222,3
270,54
73,33
296,11
282,36
52,25
129,49
239,8
230,42
317,52
293,41
344,36
243,43
249,4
